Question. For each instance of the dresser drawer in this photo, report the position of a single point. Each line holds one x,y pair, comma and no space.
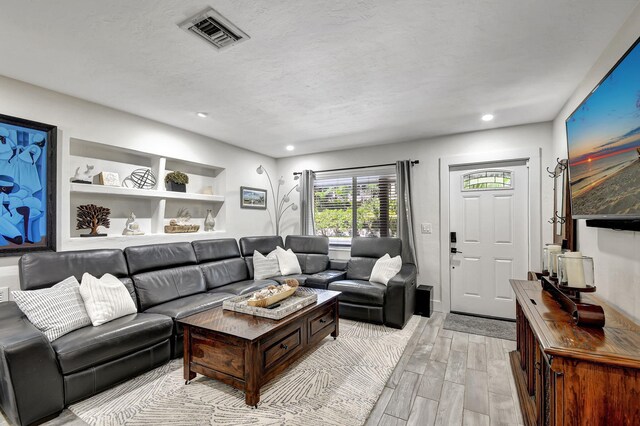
322,320
282,347
217,355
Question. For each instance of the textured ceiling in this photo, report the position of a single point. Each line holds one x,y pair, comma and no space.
320,75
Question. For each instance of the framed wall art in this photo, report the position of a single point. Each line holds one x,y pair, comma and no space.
27,186
253,198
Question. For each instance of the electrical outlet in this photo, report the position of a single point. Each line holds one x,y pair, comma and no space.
4,294
426,228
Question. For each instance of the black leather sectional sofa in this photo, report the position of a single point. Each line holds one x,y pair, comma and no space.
167,282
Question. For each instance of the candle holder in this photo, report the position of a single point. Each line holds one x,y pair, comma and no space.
575,274
555,252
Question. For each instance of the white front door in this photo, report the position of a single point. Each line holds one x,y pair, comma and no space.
489,214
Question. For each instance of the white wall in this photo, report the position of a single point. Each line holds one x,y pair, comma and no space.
81,119
616,253
426,178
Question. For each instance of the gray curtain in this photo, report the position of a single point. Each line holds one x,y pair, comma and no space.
405,211
307,221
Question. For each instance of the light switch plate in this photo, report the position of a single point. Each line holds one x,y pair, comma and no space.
426,228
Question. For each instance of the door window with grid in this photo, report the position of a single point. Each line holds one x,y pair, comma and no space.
356,205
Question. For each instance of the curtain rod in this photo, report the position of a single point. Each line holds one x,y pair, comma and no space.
356,168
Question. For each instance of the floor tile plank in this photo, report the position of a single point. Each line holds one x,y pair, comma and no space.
495,350
501,410
388,420
423,413
441,349
476,393
451,405
471,418
430,387
378,410
477,356
456,367
460,342
403,395
418,360
476,338
499,376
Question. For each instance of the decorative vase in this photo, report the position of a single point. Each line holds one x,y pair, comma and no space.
209,221
176,187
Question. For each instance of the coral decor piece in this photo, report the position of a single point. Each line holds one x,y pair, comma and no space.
91,217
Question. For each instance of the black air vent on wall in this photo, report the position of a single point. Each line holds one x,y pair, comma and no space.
214,28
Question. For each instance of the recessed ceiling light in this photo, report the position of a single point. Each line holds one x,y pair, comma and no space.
487,117
202,114
290,148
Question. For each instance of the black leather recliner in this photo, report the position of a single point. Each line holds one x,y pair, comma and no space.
361,299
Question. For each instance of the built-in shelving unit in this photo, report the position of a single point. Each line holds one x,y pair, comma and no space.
153,207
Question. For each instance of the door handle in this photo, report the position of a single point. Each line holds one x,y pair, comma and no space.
455,250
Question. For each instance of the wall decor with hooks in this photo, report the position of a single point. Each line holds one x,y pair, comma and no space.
563,224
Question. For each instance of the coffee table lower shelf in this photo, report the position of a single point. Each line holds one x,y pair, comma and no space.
247,361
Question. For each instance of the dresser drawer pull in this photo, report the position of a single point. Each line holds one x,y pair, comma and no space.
322,320
283,346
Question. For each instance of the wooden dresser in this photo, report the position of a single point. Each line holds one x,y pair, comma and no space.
570,375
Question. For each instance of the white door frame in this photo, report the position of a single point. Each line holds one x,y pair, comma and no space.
534,207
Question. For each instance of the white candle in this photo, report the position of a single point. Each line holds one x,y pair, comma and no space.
575,269
552,261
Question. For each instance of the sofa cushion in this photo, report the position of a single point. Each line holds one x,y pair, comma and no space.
375,247
359,268
223,272
162,286
288,262
190,305
309,244
55,311
264,245
313,263
158,256
360,291
265,266
212,250
105,298
39,270
244,287
302,278
92,346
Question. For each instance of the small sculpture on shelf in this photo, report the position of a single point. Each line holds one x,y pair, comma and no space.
132,227
181,223
209,221
83,177
176,181
91,217
140,179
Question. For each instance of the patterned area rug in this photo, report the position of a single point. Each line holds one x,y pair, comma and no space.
338,383
483,326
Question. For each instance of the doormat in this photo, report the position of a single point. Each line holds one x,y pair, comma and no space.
482,326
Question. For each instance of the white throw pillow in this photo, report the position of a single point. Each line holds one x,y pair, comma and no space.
106,298
385,268
288,262
55,311
265,266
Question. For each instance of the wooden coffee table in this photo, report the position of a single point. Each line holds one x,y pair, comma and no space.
247,351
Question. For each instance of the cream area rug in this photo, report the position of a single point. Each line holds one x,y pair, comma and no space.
337,383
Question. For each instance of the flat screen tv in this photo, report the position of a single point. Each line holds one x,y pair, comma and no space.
603,137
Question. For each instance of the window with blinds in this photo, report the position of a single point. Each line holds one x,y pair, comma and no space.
360,205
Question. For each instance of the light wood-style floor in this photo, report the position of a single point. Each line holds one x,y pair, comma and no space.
443,378
449,378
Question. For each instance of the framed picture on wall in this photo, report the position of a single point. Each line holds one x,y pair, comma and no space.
253,198
27,186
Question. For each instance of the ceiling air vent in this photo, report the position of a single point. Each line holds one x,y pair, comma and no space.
215,29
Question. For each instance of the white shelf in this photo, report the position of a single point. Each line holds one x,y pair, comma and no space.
143,193
177,235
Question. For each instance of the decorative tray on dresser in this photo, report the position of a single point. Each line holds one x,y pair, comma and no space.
572,375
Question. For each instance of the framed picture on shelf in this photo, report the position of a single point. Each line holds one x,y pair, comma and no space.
27,186
253,198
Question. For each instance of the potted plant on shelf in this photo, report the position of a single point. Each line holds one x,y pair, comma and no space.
176,181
